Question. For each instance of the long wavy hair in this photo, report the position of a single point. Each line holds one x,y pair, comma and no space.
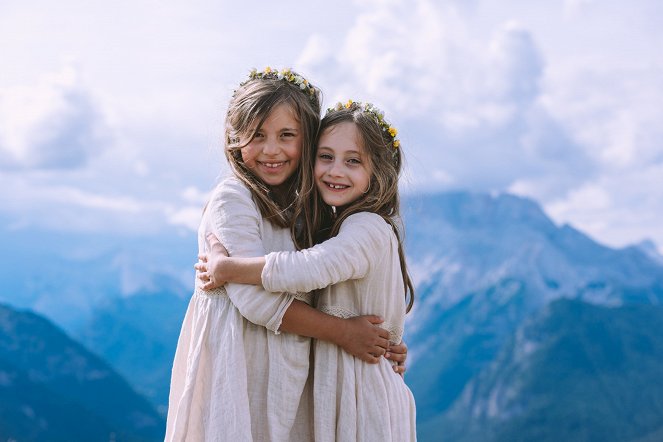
249,107
316,220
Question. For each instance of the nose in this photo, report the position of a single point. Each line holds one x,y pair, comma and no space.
335,169
271,147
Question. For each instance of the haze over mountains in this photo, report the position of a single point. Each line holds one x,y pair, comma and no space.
522,329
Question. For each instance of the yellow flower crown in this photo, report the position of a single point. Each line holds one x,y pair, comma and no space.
283,74
376,113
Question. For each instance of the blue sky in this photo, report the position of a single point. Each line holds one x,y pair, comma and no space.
111,112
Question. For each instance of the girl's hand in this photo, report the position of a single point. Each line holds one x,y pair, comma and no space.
362,338
209,268
398,354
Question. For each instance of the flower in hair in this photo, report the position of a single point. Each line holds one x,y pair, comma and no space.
376,113
283,74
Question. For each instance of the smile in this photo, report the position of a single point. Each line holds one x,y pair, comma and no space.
336,186
272,165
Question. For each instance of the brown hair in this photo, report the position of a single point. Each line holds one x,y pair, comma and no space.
249,107
381,198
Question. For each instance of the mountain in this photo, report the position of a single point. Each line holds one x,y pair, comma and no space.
575,372
51,388
138,336
67,276
519,327
487,266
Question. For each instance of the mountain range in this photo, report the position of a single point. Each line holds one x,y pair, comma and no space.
52,388
521,330
499,273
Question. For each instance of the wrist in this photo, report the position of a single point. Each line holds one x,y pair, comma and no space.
335,331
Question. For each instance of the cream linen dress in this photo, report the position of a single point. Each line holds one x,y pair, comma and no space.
235,378
353,400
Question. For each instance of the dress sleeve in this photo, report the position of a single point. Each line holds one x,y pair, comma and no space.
361,242
235,220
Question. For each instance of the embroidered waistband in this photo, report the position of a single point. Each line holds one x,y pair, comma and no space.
221,291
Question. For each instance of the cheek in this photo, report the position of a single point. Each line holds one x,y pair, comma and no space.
248,155
365,178
296,152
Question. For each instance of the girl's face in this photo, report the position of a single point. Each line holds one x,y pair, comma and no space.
342,171
274,153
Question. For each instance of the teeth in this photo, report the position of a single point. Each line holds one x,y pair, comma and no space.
272,165
336,186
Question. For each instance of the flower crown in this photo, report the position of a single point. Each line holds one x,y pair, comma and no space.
283,74
376,113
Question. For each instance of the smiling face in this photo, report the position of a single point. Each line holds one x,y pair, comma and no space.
342,170
273,154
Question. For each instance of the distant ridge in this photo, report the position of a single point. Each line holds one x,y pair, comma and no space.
52,389
499,285
489,268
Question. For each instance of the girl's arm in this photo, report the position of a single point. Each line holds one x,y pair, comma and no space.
236,222
248,271
216,268
360,336
362,240
362,243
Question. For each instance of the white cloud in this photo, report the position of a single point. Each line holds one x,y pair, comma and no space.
188,217
616,209
54,124
557,100
560,102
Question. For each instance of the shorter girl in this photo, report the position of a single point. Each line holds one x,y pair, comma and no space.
360,268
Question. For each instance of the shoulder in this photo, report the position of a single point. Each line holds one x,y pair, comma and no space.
369,225
232,194
367,219
231,186
230,190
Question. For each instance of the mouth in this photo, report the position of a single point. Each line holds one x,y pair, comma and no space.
334,186
271,165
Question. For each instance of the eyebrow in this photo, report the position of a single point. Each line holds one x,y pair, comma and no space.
285,129
347,151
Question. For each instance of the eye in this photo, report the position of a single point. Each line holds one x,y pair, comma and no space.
288,134
354,161
325,157
259,135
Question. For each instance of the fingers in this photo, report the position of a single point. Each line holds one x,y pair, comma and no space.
207,281
397,353
202,257
383,342
384,335
371,359
399,348
374,319
212,239
399,369
200,266
396,357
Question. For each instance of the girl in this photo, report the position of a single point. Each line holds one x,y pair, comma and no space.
235,377
354,187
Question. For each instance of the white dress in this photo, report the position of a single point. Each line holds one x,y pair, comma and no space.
353,400
235,378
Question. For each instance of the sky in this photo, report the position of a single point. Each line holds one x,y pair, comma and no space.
111,113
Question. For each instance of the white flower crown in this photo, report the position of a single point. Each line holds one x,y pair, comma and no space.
376,113
283,74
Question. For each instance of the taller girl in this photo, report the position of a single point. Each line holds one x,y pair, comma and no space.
234,376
